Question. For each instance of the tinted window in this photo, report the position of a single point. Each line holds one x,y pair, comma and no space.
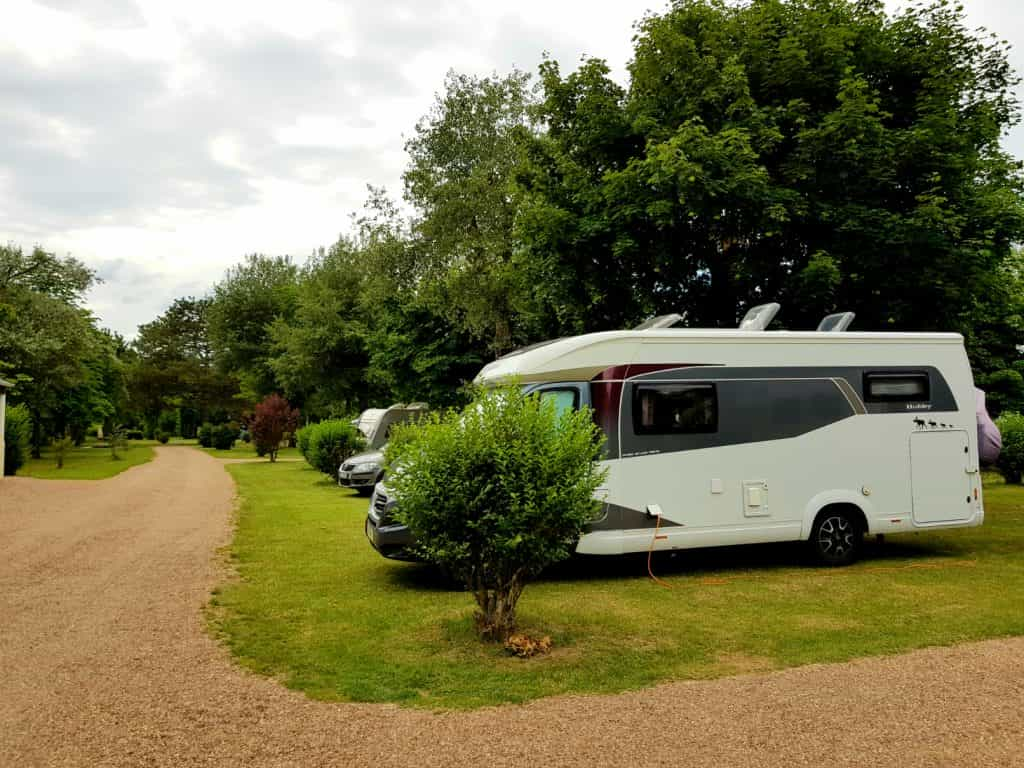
564,399
674,409
896,386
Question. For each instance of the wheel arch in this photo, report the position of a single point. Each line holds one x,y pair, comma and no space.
856,502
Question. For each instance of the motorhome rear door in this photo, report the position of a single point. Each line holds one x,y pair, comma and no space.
941,475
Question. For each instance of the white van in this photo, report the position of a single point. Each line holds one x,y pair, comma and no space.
718,437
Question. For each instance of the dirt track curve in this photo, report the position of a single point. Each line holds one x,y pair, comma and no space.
104,661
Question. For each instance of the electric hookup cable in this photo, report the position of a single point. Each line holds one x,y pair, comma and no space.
650,553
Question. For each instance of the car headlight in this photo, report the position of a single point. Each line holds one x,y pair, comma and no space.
368,466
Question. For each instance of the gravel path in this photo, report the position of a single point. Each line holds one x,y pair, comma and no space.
104,661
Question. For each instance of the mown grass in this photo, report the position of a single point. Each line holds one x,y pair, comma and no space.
248,451
90,461
315,606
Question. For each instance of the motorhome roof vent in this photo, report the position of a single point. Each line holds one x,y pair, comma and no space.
836,323
661,321
758,318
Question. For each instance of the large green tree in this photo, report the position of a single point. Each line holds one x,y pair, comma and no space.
819,152
319,354
244,305
174,368
64,368
461,181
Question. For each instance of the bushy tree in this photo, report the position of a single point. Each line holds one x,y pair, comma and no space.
1011,457
272,419
825,154
319,355
17,438
496,492
63,367
461,179
330,443
245,304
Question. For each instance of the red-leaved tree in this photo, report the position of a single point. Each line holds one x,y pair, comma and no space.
274,417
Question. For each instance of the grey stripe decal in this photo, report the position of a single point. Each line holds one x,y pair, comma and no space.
617,517
851,395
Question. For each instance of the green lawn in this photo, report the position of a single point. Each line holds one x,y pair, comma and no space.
89,462
248,451
315,606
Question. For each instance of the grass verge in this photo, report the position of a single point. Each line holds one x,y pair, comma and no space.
248,451
316,607
89,462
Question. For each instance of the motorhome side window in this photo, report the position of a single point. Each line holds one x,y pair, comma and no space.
890,387
564,399
674,409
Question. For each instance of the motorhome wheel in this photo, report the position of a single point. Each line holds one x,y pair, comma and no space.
837,537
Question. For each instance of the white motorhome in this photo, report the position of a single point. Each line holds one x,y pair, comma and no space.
718,437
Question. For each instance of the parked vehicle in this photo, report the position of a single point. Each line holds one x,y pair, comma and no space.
363,471
720,436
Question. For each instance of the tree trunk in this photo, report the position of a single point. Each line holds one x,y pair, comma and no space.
496,619
37,435
502,336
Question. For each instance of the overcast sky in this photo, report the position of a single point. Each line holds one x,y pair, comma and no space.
161,141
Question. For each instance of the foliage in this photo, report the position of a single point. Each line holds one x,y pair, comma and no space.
329,443
219,436
117,441
273,419
1011,457
17,438
496,493
460,178
823,154
245,304
173,382
205,435
65,370
162,437
319,354
224,436
61,446
1004,390
302,437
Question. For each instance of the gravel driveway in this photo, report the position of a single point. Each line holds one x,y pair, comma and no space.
104,661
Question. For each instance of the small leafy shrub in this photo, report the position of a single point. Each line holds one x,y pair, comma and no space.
1011,458
133,434
496,493
244,436
61,447
205,435
274,418
162,437
167,422
17,438
116,441
330,443
224,436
